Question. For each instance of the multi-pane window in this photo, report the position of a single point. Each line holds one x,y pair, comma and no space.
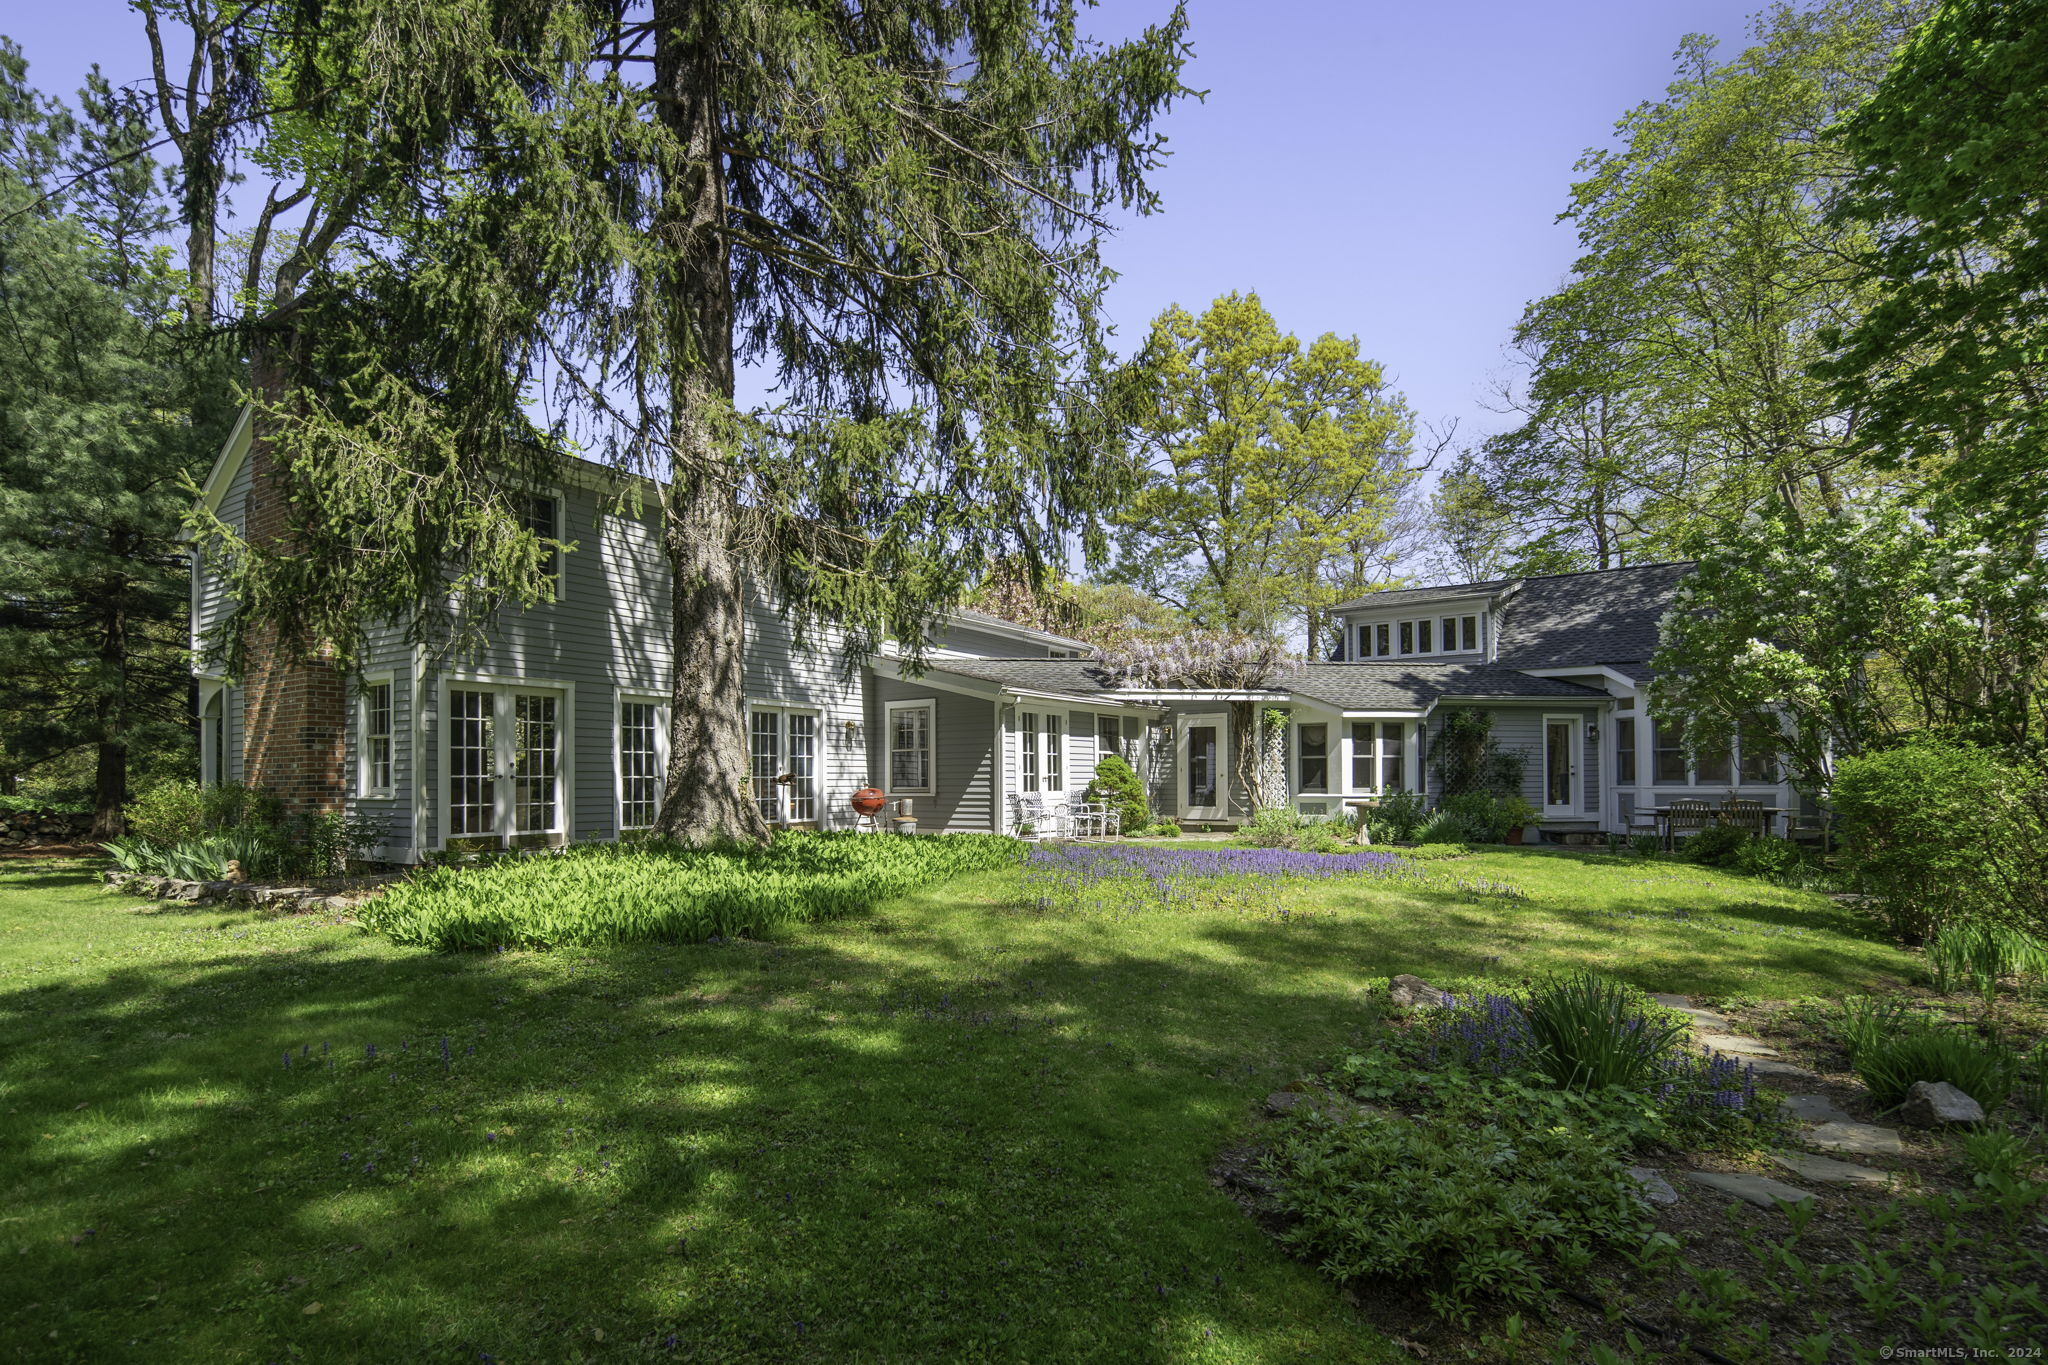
1109,738
1668,767
376,733
1027,748
472,758
1713,767
639,764
1759,752
764,744
1625,751
910,748
1377,756
800,795
1314,759
1425,635
536,762
544,519
1055,753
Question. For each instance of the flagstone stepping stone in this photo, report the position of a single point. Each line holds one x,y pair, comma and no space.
1737,1045
1864,1139
1816,1109
1284,1102
1828,1171
1655,1188
1759,1190
1766,1066
1701,1019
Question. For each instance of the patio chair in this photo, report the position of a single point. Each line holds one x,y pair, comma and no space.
1030,810
1088,819
1745,815
1684,816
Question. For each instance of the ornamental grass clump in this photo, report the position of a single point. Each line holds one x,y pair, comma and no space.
615,893
1923,1050
1591,1032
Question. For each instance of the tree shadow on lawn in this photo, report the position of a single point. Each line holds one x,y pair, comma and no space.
1725,949
751,1151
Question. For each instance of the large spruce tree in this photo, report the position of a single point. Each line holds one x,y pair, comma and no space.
891,212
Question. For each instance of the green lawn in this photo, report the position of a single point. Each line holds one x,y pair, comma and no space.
956,1129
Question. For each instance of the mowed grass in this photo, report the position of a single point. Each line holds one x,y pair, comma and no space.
954,1129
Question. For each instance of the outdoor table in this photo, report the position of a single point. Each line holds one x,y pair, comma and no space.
1662,815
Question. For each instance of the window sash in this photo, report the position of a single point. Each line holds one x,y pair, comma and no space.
377,738
639,765
1471,625
1625,751
1312,771
1055,752
910,749
1393,771
1668,766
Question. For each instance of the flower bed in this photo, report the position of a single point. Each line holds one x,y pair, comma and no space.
1132,879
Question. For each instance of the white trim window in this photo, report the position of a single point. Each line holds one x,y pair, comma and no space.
1464,633
1055,752
1378,756
912,744
642,760
543,515
1312,757
1027,749
505,762
376,726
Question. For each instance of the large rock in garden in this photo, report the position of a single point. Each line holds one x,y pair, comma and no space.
1937,1104
1413,993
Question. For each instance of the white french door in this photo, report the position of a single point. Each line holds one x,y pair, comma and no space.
502,753
1202,766
783,746
1562,746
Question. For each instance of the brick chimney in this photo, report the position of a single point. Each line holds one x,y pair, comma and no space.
294,707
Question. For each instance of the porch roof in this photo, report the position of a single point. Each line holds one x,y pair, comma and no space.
1348,686
1376,686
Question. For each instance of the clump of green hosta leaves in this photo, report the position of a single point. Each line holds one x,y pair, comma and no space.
613,893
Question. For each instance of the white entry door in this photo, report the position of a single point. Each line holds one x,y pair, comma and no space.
503,757
1202,766
1562,746
783,747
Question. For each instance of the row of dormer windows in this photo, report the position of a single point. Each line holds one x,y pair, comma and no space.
1424,635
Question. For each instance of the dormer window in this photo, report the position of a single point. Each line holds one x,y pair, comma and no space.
1424,635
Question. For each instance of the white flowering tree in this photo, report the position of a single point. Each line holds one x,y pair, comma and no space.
1847,632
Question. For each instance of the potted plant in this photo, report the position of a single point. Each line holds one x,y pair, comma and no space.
1515,812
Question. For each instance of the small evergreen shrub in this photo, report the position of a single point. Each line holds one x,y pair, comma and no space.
1116,785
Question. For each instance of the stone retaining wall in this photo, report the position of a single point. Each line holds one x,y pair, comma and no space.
33,828
279,899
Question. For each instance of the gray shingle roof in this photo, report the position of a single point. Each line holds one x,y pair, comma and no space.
1351,687
1410,686
1403,597
1604,617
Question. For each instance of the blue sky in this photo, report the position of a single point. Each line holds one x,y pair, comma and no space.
1391,171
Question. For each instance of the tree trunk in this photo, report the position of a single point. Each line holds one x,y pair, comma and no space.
110,773
706,791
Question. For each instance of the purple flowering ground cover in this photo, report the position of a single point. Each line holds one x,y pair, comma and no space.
974,1124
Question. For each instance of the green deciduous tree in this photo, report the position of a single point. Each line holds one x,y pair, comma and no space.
1276,470
1846,632
1668,390
1950,365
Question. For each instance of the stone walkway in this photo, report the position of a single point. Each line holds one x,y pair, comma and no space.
1825,1127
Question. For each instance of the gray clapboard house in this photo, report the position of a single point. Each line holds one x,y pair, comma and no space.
556,731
